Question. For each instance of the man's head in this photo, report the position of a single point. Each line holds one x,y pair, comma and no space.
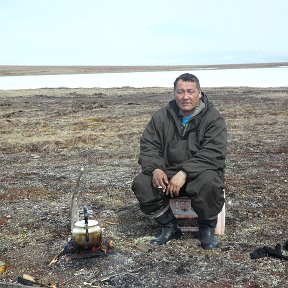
187,93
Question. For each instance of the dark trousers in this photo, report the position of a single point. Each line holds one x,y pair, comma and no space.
206,192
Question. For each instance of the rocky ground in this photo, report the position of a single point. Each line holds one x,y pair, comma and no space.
47,135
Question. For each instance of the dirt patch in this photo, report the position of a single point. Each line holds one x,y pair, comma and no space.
47,135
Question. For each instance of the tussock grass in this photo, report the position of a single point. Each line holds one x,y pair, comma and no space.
47,135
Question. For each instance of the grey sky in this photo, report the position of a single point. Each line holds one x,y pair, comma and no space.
130,32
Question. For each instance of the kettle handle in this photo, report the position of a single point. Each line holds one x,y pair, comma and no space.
86,223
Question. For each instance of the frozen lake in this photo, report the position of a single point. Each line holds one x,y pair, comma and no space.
253,77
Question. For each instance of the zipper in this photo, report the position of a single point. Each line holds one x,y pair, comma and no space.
183,130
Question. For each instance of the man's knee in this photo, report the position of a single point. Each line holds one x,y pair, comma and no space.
207,195
138,182
209,180
149,198
141,186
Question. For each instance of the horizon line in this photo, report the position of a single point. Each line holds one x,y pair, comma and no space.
20,70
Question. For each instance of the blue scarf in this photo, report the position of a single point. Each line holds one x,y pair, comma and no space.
185,120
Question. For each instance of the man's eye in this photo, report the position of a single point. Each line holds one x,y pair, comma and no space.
181,92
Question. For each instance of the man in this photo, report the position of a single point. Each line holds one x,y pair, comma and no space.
183,150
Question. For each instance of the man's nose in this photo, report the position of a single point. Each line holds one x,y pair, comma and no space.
186,95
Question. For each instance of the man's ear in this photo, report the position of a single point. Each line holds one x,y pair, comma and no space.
200,94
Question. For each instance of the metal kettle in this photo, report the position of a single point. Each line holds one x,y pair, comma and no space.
88,234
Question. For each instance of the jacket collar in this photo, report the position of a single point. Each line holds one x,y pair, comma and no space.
174,110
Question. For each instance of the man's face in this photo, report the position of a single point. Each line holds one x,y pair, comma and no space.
187,96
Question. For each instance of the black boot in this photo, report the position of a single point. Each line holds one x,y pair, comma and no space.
206,232
168,223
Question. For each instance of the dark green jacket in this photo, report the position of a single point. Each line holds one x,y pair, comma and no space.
203,145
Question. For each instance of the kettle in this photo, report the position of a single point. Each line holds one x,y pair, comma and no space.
87,234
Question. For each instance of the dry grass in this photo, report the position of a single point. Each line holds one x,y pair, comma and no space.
48,134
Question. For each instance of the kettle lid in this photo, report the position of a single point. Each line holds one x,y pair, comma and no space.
81,223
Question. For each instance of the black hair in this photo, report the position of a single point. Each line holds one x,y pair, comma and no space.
187,77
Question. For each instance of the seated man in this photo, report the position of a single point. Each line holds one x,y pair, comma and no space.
183,150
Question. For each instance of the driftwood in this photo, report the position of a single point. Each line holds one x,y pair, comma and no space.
29,280
56,258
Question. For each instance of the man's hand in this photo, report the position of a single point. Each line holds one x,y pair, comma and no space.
176,183
159,179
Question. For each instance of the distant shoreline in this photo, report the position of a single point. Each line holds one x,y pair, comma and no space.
14,70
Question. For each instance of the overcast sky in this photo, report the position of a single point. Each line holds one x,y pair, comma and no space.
147,32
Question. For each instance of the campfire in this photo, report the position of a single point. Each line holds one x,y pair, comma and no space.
86,240
72,250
